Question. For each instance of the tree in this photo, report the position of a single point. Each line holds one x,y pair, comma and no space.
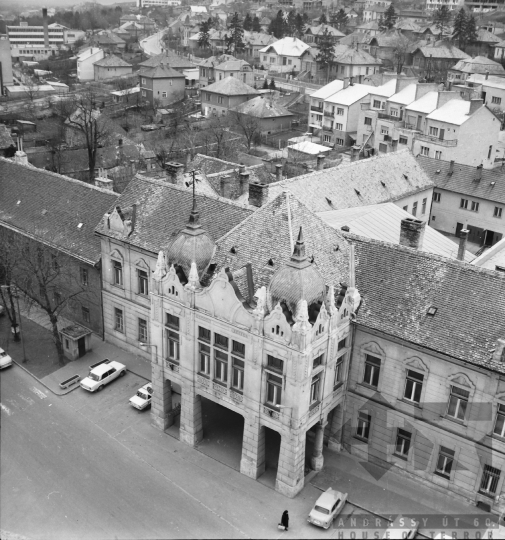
204,38
323,19
278,26
46,277
291,23
382,24
265,84
326,54
340,19
237,33
249,127
441,18
471,29
271,86
256,26
299,26
401,48
459,29
390,17
248,22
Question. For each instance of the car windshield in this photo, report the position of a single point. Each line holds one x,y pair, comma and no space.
141,395
321,509
94,377
2,354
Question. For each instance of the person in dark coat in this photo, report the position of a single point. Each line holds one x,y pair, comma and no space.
285,519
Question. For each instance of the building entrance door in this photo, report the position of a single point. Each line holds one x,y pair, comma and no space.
82,346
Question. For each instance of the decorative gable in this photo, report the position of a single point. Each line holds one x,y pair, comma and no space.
415,363
276,326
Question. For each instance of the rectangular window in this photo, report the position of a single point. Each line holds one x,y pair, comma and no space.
314,388
497,212
118,319
444,462
496,100
363,427
274,389
489,482
85,314
220,99
474,207
118,273
339,127
144,93
143,81
275,363
84,277
163,94
142,282
423,207
463,203
317,362
342,344
372,370
458,402
143,330
173,346
436,197
403,140
327,138
368,121
172,321
238,349
402,446
414,208
413,386
339,366
434,131
220,366
425,151
499,427
377,104
220,341
238,374
203,334
384,130
204,359
394,112
438,154
340,112
340,142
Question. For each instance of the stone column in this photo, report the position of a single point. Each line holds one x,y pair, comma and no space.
191,431
291,472
252,463
317,459
161,404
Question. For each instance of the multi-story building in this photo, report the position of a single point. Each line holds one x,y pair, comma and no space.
110,67
219,97
85,63
470,198
161,84
5,65
313,34
469,66
284,55
35,35
432,5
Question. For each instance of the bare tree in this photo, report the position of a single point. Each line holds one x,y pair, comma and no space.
402,46
248,126
220,137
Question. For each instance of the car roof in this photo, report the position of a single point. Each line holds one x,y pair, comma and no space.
328,498
102,368
146,386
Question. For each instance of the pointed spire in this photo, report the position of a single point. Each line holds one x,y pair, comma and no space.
193,279
299,251
194,217
161,267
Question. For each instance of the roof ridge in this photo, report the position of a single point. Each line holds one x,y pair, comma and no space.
57,175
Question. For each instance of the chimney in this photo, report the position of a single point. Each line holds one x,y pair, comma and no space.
258,194
487,75
351,81
320,162
403,82
241,168
474,105
478,178
226,183
499,351
451,168
412,233
175,172
463,236
244,182
444,97
46,31
21,158
346,83
278,172
133,166
424,88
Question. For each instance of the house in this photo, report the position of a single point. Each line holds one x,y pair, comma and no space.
111,67
240,69
284,55
484,45
435,59
371,28
168,57
162,84
85,63
207,68
110,43
493,257
219,97
451,5
373,13
256,41
465,197
31,195
469,66
271,116
488,87
313,34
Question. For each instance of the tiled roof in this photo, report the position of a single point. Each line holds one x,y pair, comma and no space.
231,86
398,285
356,37
173,60
110,38
161,71
288,46
479,64
359,183
492,81
265,235
66,202
463,179
214,61
320,29
442,50
163,210
232,65
5,137
349,55
486,37
112,61
261,107
455,111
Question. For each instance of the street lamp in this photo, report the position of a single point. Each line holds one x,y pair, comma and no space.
14,293
142,345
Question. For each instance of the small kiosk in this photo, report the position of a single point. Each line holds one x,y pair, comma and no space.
76,341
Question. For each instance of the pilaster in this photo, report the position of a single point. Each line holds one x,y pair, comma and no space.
291,470
252,463
161,404
191,431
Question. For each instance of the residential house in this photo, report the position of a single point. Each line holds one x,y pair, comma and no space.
451,5
468,66
284,55
317,104
219,97
207,68
235,68
169,58
313,34
435,59
465,197
110,43
265,23
271,116
373,13
85,63
161,85
111,67
371,28
31,195
484,45
487,87
256,41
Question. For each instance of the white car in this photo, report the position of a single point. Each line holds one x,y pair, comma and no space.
327,508
5,359
103,374
402,527
142,399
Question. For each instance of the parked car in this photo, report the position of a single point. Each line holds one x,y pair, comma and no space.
327,508
142,399
5,359
402,527
103,374
149,127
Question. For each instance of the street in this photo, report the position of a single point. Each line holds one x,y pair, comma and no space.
90,466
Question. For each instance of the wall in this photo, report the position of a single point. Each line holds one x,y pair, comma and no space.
409,200
85,68
6,61
102,73
175,89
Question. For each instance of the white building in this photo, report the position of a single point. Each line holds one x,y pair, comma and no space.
85,61
284,55
34,35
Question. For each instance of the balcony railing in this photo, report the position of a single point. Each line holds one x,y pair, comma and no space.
327,128
316,109
384,116
329,114
436,140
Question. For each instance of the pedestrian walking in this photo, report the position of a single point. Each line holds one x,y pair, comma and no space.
285,520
